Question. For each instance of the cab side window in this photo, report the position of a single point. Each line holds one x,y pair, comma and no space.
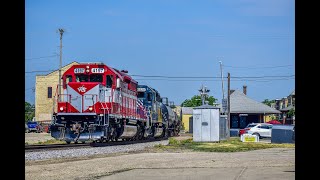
109,81
68,79
149,97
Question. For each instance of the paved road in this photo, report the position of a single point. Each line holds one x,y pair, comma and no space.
232,173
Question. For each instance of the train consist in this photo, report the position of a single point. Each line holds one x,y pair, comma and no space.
99,103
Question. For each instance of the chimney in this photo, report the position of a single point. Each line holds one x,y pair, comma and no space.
245,89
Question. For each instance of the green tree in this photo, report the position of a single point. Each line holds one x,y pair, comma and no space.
267,102
291,112
28,111
196,101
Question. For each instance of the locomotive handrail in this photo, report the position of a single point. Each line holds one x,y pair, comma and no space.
68,99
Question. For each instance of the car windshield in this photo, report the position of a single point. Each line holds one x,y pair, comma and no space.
251,125
32,122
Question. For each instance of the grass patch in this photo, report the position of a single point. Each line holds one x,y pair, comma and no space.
51,141
232,145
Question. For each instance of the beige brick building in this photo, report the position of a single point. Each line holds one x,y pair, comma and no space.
45,93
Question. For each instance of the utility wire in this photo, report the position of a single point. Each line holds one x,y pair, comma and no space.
194,77
256,80
211,77
42,57
39,71
172,76
257,66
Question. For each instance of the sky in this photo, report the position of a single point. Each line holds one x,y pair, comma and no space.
179,40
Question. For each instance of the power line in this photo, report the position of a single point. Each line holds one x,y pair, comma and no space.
256,67
210,77
28,89
255,80
41,57
277,76
39,71
172,76
193,77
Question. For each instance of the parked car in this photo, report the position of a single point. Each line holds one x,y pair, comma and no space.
26,128
34,127
262,130
242,131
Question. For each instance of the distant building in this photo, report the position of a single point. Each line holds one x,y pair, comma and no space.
45,93
284,105
244,110
177,110
186,116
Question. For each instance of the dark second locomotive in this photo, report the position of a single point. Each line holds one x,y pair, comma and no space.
100,103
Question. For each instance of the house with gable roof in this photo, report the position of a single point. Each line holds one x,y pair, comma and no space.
244,110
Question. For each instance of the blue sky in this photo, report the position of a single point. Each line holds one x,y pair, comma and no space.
176,38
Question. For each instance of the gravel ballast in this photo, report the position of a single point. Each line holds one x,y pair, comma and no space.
80,152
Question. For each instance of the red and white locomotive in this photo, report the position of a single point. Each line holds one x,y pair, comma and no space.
99,103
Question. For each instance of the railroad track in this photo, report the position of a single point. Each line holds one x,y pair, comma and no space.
32,148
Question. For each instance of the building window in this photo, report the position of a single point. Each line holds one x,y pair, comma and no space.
49,92
234,122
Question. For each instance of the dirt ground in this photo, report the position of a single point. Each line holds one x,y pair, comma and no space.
33,138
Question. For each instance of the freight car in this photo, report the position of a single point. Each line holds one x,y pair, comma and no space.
99,103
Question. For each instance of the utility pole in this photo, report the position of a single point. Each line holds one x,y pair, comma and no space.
221,79
61,31
229,103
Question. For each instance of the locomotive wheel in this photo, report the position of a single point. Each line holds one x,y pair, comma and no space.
140,135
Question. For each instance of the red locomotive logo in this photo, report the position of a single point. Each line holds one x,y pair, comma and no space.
82,89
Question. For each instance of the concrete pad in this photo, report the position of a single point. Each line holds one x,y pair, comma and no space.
232,173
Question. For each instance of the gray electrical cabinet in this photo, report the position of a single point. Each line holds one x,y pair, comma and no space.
223,131
283,134
206,124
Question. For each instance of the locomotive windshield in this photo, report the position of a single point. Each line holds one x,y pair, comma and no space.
140,94
86,78
96,78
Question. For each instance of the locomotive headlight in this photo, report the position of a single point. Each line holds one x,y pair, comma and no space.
61,108
87,69
90,108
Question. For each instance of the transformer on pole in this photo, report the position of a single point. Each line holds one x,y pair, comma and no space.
203,93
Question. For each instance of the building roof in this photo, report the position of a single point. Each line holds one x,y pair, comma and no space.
240,103
206,106
73,62
186,110
287,108
293,92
